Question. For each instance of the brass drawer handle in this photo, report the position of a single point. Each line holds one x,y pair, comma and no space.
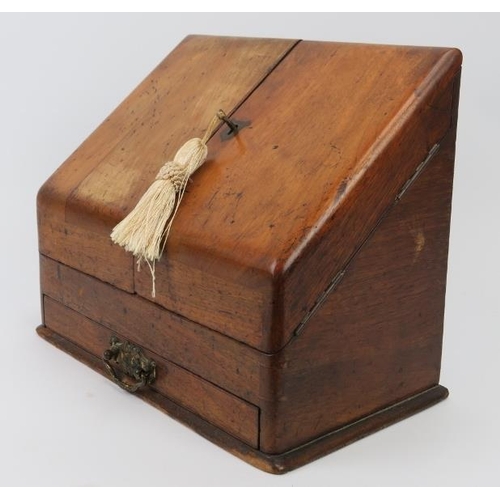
130,361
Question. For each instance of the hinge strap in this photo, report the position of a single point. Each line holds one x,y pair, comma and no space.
338,277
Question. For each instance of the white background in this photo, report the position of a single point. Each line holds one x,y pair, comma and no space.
62,424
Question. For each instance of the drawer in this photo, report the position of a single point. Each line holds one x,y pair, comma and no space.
215,405
213,356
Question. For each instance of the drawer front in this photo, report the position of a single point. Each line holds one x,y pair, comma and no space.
214,357
219,407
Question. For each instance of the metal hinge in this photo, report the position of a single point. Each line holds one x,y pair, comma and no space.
338,277
333,284
417,172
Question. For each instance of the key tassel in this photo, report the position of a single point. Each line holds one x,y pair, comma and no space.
144,231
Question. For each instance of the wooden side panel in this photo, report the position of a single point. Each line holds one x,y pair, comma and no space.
377,338
215,357
215,405
387,166
103,179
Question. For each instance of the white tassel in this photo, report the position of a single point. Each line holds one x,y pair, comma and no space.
145,229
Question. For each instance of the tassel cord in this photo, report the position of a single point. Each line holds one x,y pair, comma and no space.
145,230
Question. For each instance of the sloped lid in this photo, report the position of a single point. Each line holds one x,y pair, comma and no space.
276,211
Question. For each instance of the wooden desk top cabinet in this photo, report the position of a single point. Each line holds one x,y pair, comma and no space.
300,296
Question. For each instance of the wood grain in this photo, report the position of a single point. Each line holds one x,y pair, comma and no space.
336,131
275,212
215,405
213,356
377,338
103,179
308,189
274,464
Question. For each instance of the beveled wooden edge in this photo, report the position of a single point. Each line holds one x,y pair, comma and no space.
274,464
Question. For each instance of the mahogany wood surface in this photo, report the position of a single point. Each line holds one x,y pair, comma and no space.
103,179
219,407
377,337
336,131
310,188
274,464
275,212
215,357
